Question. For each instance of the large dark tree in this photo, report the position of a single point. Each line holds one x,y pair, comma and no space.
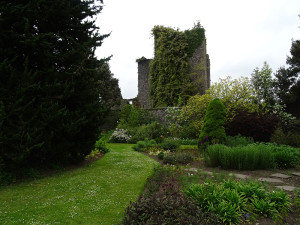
49,90
288,82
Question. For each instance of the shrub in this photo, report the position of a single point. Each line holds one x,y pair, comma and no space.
161,155
194,111
214,121
285,156
101,146
285,138
120,136
145,117
189,131
238,141
151,131
258,126
178,158
142,146
129,117
170,144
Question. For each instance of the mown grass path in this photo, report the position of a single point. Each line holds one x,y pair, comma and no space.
94,194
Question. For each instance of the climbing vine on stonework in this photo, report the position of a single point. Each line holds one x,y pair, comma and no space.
194,37
169,75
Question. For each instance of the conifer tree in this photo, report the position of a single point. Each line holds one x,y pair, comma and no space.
213,129
49,93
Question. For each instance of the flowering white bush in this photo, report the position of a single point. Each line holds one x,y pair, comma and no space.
120,136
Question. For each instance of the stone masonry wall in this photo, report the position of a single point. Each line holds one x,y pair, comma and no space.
143,83
199,69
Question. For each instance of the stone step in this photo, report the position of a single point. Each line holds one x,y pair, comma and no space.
239,176
296,174
270,180
286,188
280,175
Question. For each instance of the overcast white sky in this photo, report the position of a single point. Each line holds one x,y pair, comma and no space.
241,34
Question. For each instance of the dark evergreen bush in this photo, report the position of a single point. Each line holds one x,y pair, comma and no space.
50,108
258,126
214,122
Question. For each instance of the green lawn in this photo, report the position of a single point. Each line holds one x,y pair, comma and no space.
94,194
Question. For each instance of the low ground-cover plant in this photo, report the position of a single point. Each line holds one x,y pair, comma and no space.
253,156
164,203
175,158
186,141
233,200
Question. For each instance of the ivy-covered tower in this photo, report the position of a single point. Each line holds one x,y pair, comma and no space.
180,68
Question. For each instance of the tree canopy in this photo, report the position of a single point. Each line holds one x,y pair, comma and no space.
50,106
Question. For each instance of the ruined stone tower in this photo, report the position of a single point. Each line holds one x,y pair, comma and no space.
143,83
199,74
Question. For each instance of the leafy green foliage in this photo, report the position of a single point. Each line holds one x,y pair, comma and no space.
170,144
101,146
231,200
214,122
236,95
193,112
49,108
129,117
169,67
263,85
195,38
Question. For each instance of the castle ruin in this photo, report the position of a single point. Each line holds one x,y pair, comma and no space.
199,74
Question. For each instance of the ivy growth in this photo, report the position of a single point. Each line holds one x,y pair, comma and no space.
169,71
